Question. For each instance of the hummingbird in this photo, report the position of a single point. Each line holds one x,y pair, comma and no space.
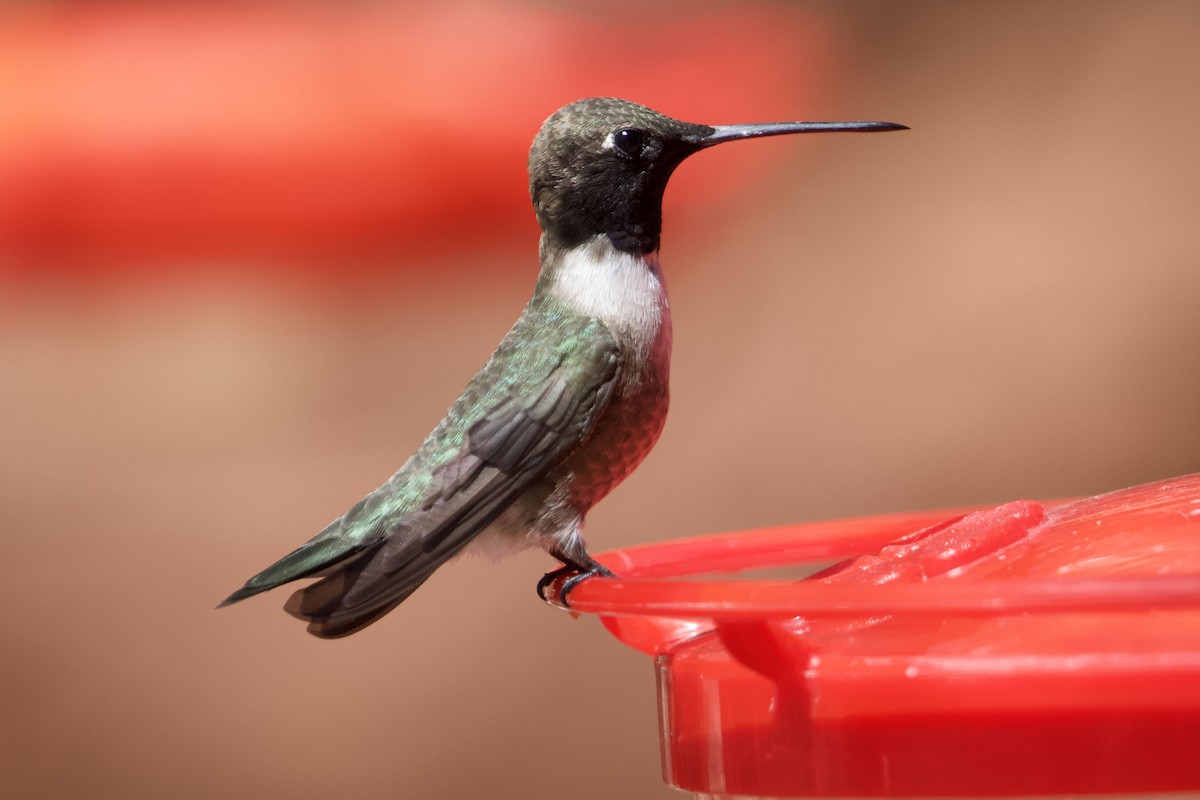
568,405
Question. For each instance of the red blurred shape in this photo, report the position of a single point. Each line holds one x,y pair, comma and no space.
155,132
1020,650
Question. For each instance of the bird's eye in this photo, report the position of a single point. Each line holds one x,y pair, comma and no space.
628,141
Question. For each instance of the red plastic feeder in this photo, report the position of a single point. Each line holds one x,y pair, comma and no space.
1026,649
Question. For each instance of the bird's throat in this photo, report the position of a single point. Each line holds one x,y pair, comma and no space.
624,290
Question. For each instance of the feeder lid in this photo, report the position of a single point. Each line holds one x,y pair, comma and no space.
1023,649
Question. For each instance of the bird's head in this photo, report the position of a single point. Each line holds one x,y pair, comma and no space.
599,167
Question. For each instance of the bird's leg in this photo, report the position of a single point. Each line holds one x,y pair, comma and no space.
581,564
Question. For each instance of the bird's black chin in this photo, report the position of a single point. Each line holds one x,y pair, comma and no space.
635,239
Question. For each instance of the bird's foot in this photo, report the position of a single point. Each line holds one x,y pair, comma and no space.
577,576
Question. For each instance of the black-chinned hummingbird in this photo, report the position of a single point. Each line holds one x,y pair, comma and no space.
568,405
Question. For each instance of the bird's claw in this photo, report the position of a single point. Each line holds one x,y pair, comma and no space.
577,576
549,578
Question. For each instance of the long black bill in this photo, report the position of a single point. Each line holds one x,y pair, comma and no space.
728,133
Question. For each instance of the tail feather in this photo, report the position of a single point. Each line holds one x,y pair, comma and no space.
358,591
338,626
359,584
306,561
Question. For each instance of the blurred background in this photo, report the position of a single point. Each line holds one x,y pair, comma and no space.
250,253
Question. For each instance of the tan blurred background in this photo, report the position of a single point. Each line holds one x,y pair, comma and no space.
1001,303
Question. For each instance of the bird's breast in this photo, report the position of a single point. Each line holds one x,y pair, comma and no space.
626,292
631,423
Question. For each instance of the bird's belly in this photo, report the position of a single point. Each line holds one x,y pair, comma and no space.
624,435
620,442
553,509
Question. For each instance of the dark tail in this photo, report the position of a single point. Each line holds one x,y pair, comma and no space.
357,586
308,560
